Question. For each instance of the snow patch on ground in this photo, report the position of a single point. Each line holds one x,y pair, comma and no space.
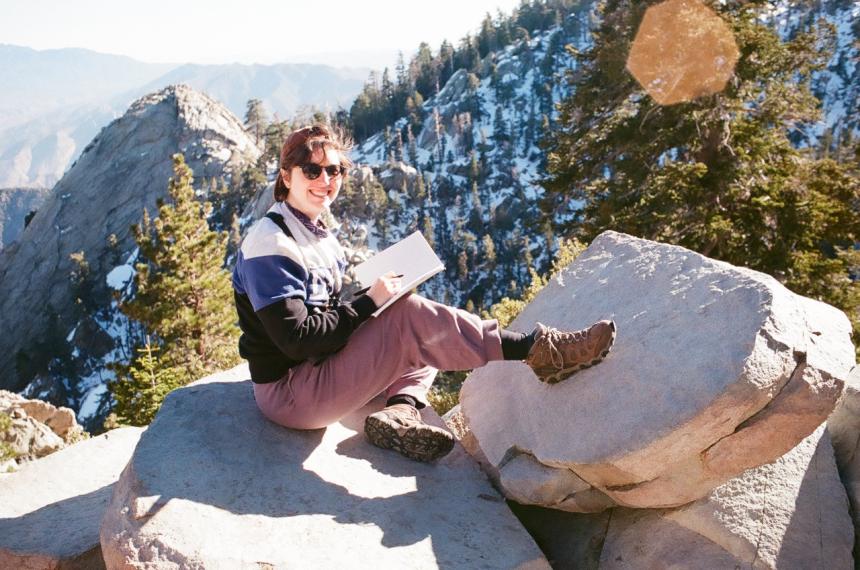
119,277
92,401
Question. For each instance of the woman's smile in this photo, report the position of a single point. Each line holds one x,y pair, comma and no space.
319,193
311,195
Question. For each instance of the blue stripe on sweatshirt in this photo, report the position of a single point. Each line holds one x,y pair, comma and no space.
268,279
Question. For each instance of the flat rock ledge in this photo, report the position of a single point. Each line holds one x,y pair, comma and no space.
716,369
51,509
213,484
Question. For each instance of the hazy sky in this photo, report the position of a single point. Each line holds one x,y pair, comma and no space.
345,32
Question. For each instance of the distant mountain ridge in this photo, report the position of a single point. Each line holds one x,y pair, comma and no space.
55,101
36,82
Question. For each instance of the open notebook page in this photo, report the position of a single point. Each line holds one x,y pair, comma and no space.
412,256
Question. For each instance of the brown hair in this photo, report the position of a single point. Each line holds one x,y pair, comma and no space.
300,147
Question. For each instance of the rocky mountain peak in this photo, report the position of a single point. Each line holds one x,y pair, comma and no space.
122,171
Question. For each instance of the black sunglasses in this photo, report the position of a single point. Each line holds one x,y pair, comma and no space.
312,170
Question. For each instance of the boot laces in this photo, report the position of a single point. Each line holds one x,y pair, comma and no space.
555,337
403,413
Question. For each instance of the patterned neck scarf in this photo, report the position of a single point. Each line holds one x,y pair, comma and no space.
319,229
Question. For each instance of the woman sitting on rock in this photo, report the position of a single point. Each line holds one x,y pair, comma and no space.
314,358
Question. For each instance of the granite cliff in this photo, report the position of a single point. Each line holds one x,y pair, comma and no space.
122,171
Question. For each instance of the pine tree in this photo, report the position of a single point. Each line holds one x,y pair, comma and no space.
425,71
445,61
140,394
252,179
235,236
420,189
719,174
427,230
463,267
81,280
183,298
413,149
275,135
489,252
398,149
256,119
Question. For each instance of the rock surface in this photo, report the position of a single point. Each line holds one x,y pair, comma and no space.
844,428
716,369
15,204
36,429
214,484
788,514
122,171
51,510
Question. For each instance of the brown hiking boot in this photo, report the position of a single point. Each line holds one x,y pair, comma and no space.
400,427
556,355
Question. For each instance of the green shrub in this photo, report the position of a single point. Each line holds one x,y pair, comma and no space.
6,451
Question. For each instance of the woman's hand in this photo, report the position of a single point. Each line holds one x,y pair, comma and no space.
384,288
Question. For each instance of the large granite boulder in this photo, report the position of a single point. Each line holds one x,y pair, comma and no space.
51,510
789,514
213,484
716,369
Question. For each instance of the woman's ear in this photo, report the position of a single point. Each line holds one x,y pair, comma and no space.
285,177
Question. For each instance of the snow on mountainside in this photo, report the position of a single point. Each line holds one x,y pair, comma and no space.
494,233
838,87
478,150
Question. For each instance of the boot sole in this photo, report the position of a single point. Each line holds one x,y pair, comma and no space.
566,373
421,443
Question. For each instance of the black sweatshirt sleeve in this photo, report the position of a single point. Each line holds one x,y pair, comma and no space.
301,335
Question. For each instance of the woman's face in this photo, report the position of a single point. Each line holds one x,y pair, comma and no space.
311,196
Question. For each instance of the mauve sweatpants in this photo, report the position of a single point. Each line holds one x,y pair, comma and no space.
398,352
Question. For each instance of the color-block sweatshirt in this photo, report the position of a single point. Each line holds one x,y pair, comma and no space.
286,292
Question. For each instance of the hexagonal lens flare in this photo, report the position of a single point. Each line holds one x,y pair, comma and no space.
682,50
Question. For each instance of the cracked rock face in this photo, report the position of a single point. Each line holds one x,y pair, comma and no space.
792,513
716,369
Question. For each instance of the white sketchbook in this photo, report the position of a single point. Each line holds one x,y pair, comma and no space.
412,257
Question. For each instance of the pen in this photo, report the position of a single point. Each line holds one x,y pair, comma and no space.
366,289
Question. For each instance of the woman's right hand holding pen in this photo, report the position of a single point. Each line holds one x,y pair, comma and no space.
384,288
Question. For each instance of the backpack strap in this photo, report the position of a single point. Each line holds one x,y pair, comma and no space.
334,299
279,221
